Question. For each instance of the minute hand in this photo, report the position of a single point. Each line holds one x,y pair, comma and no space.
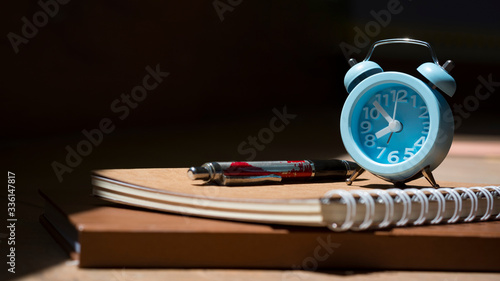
383,112
394,115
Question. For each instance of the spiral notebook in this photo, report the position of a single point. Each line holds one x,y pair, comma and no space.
369,203
97,233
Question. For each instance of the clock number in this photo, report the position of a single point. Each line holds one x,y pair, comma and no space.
379,98
371,113
425,113
425,131
393,157
414,100
409,153
401,94
420,142
366,126
370,140
381,152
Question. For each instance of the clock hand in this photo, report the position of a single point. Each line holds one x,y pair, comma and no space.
395,106
394,116
383,112
390,136
393,127
383,132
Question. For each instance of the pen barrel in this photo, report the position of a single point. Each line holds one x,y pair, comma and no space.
301,169
332,168
240,173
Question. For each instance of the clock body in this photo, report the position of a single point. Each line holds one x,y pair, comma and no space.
394,125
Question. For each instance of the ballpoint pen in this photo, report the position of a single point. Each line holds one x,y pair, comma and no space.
243,173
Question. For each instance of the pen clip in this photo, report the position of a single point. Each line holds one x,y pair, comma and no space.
242,180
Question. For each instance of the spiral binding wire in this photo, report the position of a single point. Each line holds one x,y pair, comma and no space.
489,202
453,194
366,199
350,202
473,202
406,197
388,201
420,196
436,195
496,190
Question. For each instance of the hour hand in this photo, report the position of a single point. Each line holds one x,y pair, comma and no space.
382,111
383,132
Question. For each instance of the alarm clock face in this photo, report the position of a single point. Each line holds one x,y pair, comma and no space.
392,125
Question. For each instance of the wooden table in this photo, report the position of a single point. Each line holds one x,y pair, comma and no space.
39,257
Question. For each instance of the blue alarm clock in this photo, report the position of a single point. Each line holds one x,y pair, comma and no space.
394,125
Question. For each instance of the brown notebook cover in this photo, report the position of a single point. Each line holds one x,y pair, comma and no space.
103,234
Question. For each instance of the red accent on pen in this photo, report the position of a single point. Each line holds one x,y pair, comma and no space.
298,169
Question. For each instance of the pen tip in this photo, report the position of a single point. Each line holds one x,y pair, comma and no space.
198,173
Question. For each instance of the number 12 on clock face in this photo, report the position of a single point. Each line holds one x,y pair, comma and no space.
393,124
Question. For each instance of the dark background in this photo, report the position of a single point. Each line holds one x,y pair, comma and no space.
226,77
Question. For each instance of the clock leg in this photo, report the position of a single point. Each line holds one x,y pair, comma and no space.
426,172
356,174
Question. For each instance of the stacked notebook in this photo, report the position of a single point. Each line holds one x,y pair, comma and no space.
159,218
368,203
